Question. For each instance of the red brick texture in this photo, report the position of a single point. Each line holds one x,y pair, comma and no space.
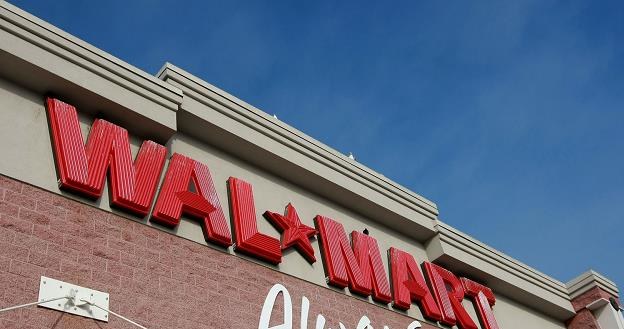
153,277
590,296
584,319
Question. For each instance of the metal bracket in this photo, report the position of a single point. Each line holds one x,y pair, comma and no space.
79,299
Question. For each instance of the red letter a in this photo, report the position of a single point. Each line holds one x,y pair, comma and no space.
175,199
409,285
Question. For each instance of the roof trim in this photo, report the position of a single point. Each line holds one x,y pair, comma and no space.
111,64
589,280
59,63
298,140
500,271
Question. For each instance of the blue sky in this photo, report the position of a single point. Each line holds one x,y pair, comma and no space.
509,115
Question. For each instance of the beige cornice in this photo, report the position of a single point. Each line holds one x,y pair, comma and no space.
502,273
589,280
48,60
218,118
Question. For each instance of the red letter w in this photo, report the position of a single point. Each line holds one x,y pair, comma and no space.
83,169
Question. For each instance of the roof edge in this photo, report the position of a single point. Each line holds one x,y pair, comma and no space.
88,52
589,280
504,274
287,135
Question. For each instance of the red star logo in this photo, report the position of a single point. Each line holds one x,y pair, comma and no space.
293,232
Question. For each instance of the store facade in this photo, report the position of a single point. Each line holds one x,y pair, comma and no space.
193,209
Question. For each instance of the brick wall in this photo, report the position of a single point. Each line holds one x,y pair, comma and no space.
590,296
153,277
584,319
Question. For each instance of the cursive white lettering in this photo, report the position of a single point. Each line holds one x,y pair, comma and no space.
269,303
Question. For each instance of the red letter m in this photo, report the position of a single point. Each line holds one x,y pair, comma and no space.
83,169
359,267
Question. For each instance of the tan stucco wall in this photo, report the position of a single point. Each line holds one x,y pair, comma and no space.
512,315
